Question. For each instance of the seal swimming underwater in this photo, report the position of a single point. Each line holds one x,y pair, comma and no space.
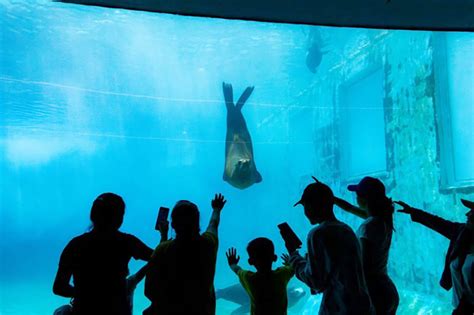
240,170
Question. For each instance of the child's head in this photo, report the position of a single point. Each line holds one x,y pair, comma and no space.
261,253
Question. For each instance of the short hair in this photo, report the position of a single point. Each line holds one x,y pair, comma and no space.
185,216
107,211
261,248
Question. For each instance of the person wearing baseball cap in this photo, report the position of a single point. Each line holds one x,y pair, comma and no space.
375,237
458,270
333,265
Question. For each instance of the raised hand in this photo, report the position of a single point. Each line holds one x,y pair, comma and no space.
164,227
218,202
232,257
406,208
286,259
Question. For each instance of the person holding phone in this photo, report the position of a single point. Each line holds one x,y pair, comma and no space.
180,279
97,261
333,265
162,225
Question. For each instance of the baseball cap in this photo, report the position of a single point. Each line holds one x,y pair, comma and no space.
316,192
368,186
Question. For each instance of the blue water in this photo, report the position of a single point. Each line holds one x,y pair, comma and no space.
95,100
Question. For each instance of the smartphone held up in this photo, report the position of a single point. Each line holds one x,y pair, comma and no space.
162,218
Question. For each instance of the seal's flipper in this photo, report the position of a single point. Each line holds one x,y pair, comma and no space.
228,95
258,177
244,97
244,309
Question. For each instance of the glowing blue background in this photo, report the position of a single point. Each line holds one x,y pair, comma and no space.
96,100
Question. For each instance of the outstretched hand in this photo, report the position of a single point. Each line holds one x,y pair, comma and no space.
286,259
406,208
218,202
232,257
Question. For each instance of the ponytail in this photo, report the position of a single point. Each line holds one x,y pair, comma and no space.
382,207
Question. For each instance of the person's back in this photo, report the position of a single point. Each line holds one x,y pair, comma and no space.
266,288
185,274
98,261
267,291
345,290
180,280
333,265
376,231
99,265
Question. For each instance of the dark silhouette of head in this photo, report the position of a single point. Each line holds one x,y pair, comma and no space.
261,253
107,212
371,197
318,202
185,219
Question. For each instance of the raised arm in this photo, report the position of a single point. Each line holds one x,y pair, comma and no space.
163,227
444,227
217,205
233,260
346,206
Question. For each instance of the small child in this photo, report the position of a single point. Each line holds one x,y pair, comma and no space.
266,287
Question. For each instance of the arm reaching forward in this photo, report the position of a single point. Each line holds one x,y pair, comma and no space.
346,206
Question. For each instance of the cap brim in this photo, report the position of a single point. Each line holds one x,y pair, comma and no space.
468,204
352,187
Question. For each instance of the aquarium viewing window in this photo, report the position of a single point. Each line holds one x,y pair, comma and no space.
363,149
454,66
96,99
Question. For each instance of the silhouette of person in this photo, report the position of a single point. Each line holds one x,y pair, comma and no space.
180,279
459,262
333,265
375,237
266,288
97,261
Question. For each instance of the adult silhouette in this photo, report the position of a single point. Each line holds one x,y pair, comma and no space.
180,279
97,262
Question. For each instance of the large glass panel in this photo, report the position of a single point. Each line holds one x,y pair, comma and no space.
363,129
460,66
95,100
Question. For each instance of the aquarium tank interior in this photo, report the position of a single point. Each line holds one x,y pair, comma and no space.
97,99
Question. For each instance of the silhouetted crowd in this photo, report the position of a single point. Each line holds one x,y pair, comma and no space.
348,268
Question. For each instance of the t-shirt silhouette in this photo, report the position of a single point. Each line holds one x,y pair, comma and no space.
180,280
267,291
99,266
379,234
